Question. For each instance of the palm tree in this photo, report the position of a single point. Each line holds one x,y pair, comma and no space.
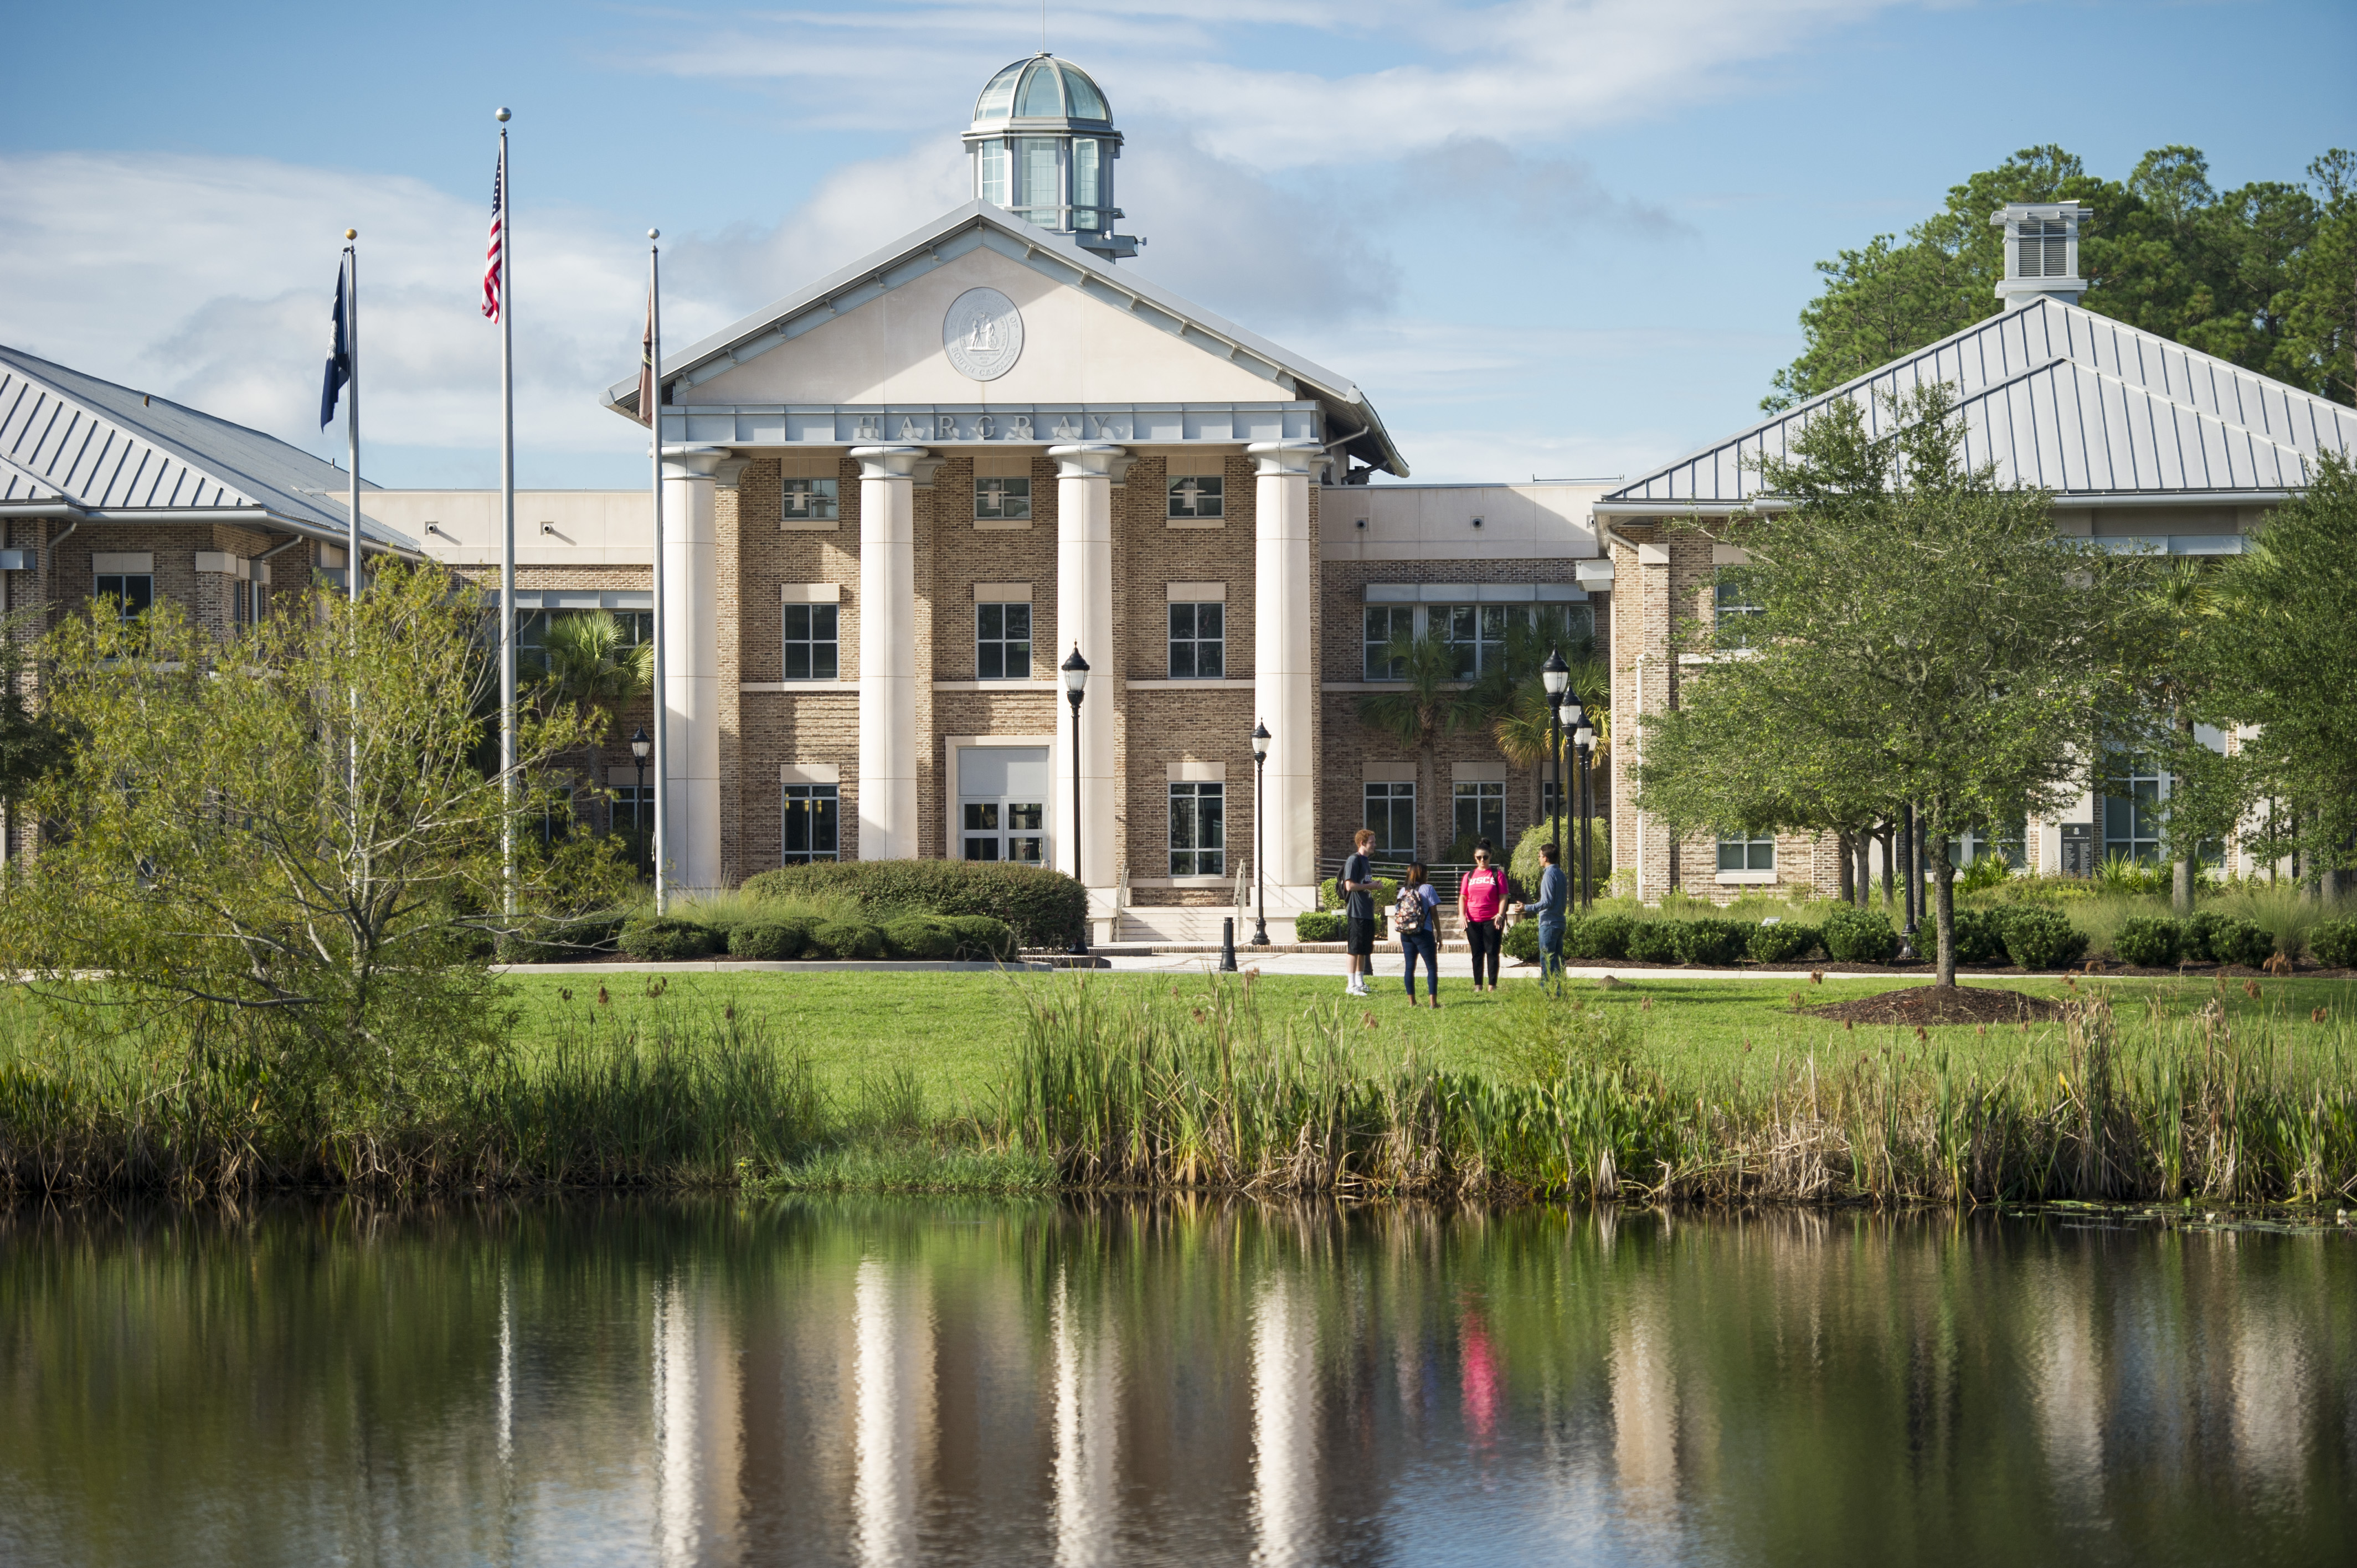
1431,702
1520,722
592,666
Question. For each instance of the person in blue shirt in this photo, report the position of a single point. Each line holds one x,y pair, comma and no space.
1554,895
1416,919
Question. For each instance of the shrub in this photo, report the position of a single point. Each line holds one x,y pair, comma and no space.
981,938
1330,894
1780,942
768,940
2042,939
1712,943
1522,866
1859,936
1602,937
558,940
1986,871
2334,943
2148,942
847,938
1654,941
2194,936
1046,907
1980,935
1318,926
926,937
2237,941
1521,942
667,939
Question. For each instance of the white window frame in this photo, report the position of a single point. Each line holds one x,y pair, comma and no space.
1747,848
1391,793
1196,641
1196,498
822,500
1194,793
811,613
1010,502
1003,642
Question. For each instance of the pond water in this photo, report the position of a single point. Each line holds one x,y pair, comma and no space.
903,1381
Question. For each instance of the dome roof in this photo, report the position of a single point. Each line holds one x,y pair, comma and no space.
1042,88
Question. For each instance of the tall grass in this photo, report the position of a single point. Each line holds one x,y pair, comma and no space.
1209,1093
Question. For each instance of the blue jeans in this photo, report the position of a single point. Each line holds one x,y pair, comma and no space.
1550,947
1425,945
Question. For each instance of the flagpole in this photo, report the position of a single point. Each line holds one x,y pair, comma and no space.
507,525
352,408
662,702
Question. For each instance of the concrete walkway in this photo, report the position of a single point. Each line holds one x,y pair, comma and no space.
1387,969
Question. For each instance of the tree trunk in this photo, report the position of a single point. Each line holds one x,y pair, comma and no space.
1428,767
1889,839
1943,877
1848,867
1865,867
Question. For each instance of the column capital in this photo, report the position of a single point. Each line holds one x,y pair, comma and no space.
1300,456
1090,460
889,462
693,461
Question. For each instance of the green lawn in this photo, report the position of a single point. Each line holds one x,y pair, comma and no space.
953,1031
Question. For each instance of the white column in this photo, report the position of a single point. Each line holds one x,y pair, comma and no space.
1285,690
691,696
1084,618
1285,1509
887,651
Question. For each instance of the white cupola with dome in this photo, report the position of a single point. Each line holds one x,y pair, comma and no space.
1044,146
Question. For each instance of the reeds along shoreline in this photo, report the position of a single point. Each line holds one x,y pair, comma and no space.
1209,1095
1199,1090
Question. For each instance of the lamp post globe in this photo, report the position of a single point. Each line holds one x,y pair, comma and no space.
1260,740
1076,686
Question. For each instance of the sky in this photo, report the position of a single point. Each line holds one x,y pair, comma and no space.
1546,238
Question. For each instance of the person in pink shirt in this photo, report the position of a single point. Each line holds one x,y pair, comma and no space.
1481,906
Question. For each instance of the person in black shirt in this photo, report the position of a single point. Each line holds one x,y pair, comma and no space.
1358,910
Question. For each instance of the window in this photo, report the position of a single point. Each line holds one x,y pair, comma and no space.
2045,251
810,646
556,818
1198,641
1198,829
1042,194
1738,599
1391,813
1002,642
1737,853
1475,633
1481,814
1197,497
1979,843
633,809
1385,622
133,593
994,173
812,500
2132,811
1084,185
813,823
1003,803
1002,501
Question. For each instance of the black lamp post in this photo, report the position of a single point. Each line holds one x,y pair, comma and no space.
1076,682
1260,738
642,745
1583,740
1909,873
1556,676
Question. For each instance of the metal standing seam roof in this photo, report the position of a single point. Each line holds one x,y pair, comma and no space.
2060,398
96,446
1058,256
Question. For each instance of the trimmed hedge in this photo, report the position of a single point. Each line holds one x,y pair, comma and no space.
2042,939
1712,943
1047,908
1654,941
2334,943
2148,941
1980,936
980,939
2214,938
847,940
1521,942
1318,926
1604,937
1330,894
1780,942
771,941
1859,936
923,937
669,940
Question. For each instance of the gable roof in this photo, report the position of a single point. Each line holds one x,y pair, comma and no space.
69,440
2060,398
1055,256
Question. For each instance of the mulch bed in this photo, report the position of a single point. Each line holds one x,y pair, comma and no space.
1926,1004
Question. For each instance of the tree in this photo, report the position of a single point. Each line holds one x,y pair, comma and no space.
1430,704
2323,307
32,740
1932,637
284,841
592,668
2166,676
2282,656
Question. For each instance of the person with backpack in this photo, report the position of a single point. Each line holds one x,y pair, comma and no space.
1417,918
1481,905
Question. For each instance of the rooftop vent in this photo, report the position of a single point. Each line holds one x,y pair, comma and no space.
2042,250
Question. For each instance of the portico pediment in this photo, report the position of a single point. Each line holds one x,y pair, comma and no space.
985,315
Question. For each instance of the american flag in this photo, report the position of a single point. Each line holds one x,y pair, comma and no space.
491,257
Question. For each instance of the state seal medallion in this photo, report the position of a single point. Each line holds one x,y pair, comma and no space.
983,334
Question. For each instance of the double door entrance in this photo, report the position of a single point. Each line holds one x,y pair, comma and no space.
1003,803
